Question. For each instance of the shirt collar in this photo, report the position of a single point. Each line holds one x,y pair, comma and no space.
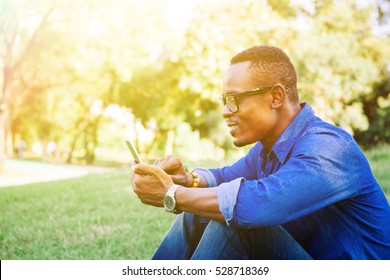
294,130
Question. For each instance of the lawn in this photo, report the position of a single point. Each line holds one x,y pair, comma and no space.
96,217
93,217
379,159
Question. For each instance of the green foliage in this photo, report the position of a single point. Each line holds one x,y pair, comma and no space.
335,72
377,109
168,70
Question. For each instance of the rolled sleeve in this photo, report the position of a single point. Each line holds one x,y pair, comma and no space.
227,198
226,193
208,176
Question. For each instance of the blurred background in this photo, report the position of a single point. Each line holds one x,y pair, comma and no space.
78,77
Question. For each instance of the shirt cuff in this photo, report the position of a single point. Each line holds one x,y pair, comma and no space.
227,198
207,175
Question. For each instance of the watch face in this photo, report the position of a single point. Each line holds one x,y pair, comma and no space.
169,203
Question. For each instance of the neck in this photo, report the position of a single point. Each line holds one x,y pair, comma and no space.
284,116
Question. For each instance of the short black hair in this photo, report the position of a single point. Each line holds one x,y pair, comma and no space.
272,63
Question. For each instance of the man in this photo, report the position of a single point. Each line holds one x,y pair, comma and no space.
304,191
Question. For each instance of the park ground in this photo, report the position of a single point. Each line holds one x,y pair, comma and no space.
57,211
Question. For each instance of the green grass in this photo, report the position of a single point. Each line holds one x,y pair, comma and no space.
93,217
379,159
96,217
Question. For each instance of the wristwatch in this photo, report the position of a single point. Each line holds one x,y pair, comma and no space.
169,200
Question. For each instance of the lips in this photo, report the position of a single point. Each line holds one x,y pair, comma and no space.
232,126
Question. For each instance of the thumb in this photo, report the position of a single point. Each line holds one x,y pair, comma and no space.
143,168
133,163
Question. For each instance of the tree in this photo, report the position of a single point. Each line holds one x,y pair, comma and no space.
333,79
376,107
96,53
169,73
16,42
334,71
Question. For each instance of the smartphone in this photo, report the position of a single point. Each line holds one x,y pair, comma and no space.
133,151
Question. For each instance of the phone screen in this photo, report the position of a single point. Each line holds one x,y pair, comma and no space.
133,151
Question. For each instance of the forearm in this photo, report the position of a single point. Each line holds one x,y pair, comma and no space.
151,183
206,178
202,182
199,201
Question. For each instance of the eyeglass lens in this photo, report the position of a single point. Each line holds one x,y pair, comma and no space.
231,103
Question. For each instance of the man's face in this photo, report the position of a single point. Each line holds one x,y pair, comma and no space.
255,120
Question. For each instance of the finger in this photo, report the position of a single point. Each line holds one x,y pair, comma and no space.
150,201
134,178
179,179
158,161
143,180
132,164
143,168
169,164
163,159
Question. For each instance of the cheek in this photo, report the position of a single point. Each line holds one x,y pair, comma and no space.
255,118
257,126
252,127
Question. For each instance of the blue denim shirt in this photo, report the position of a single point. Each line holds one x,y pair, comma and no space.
316,183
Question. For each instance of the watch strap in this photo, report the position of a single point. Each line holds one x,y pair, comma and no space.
172,189
172,192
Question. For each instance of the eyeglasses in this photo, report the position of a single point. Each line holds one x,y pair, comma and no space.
230,99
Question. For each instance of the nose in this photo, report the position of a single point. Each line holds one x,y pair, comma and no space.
226,112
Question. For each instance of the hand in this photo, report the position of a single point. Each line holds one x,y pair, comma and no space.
150,183
175,168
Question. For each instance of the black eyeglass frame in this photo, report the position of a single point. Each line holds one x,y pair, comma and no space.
254,91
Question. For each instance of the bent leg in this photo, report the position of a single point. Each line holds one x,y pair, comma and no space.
182,238
270,243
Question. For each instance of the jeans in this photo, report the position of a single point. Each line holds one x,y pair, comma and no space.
194,237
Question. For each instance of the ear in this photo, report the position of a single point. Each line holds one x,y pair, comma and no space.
278,96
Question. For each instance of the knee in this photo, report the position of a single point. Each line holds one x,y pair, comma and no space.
189,219
190,224
218,230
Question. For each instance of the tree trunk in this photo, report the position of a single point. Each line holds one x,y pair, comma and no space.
4,132
3,121
170,141
9,145
4,112
10,65
91,140
72,148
